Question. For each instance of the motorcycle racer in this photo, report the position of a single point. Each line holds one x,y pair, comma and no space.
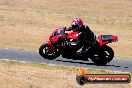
85,36
70,46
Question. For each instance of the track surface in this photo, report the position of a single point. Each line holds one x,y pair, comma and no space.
33,56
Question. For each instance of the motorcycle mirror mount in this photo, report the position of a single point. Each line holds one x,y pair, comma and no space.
66,34
51,36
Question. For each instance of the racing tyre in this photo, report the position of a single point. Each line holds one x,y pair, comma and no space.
105,56
47,52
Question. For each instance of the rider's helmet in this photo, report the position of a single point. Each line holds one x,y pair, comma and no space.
76,24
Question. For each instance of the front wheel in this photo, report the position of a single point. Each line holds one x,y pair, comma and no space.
105,56
48,52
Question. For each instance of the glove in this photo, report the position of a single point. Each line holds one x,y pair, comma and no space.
68,29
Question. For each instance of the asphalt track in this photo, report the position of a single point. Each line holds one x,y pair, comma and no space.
33,56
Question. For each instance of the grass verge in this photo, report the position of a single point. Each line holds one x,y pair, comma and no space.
14,74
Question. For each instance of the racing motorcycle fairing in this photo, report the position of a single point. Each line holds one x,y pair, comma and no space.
105,39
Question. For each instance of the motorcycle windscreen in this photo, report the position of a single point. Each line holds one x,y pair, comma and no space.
107,38
58,32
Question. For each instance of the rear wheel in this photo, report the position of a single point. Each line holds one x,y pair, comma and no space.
47,52
105,56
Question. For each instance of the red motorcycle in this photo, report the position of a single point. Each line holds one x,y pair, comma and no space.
65,44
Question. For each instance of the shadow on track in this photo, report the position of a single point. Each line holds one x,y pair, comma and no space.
79,62
74,61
